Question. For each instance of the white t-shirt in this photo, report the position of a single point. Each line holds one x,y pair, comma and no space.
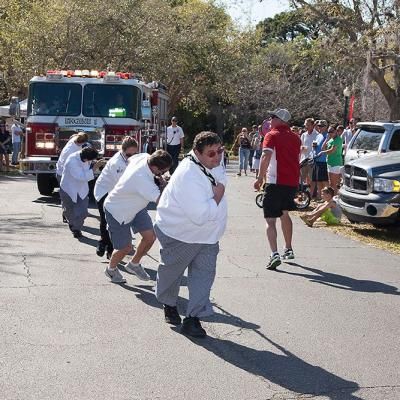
16,133
134,190
110,175
75,177
306,140
187,210
70,148
174,135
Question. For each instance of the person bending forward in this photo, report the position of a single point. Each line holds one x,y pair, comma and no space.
190,220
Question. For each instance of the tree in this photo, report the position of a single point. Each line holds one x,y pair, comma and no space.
368,30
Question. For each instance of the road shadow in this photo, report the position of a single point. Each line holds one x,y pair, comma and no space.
284,369
88,241
54,199
341,281
146,294
93,231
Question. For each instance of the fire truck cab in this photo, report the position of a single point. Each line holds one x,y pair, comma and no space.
106,105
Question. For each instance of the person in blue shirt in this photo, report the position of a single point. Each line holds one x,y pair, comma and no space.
320,168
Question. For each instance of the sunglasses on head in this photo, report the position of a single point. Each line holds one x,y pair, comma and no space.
213,153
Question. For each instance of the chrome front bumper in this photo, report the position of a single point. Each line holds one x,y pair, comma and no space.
37,166
372,210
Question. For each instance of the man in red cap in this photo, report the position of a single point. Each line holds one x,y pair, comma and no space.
280,162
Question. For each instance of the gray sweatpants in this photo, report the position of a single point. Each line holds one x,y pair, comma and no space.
74,212
201,261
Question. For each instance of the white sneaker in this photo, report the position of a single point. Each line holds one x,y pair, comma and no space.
114,275
137,270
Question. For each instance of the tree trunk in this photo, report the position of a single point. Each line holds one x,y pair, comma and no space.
395,110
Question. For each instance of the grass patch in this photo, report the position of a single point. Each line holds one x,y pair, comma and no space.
387,238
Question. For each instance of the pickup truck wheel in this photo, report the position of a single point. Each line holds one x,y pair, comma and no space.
46,184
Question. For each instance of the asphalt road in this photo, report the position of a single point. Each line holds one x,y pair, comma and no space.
324,327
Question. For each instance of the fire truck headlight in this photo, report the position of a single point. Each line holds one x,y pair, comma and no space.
45,145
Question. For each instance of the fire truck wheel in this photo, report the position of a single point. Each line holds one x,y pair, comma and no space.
46,184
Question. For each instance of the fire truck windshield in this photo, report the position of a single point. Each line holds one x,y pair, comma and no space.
115,101
56,99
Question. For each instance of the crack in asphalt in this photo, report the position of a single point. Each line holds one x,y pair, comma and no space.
27,269
230,259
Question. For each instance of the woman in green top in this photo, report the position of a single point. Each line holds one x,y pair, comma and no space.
333,148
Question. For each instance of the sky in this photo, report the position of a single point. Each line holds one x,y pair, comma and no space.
253,11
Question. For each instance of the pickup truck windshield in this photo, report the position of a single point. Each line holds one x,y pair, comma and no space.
111,101
54,99
368,139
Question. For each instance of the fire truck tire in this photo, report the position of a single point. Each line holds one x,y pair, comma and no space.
46,184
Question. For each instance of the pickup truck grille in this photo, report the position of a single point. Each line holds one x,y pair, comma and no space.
356,179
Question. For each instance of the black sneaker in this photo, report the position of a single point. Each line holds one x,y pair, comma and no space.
65,221
274,261
100,249
171,315
77,234
191,327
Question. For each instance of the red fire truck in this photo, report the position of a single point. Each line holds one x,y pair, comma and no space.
107,105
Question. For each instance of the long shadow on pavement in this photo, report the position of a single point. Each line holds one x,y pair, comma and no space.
285,369
341,281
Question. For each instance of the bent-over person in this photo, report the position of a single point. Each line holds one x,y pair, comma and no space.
74,188
190,220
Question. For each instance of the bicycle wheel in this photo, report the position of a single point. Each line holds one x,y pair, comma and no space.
302,199
260,199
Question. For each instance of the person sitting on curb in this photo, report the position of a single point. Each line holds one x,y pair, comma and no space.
329,211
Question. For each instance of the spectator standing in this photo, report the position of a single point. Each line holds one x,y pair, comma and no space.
320,169
191,218
5,146
244,141
307,139
252,134
175,137
333,149
347,134
280,160
74,188
126,210
256,144
108,178
16,133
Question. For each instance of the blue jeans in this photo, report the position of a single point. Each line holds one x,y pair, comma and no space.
244,155
16,149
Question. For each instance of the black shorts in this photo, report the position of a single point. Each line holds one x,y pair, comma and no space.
278,198
320,172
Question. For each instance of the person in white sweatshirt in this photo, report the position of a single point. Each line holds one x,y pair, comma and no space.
191,218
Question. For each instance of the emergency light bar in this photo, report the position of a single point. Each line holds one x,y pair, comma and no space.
108,76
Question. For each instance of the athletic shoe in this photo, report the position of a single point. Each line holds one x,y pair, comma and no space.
274,261
77,234
65,221
114,275
288,254
191,327
171,315
100,249
137,270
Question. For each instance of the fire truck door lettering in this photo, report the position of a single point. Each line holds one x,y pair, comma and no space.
78,121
